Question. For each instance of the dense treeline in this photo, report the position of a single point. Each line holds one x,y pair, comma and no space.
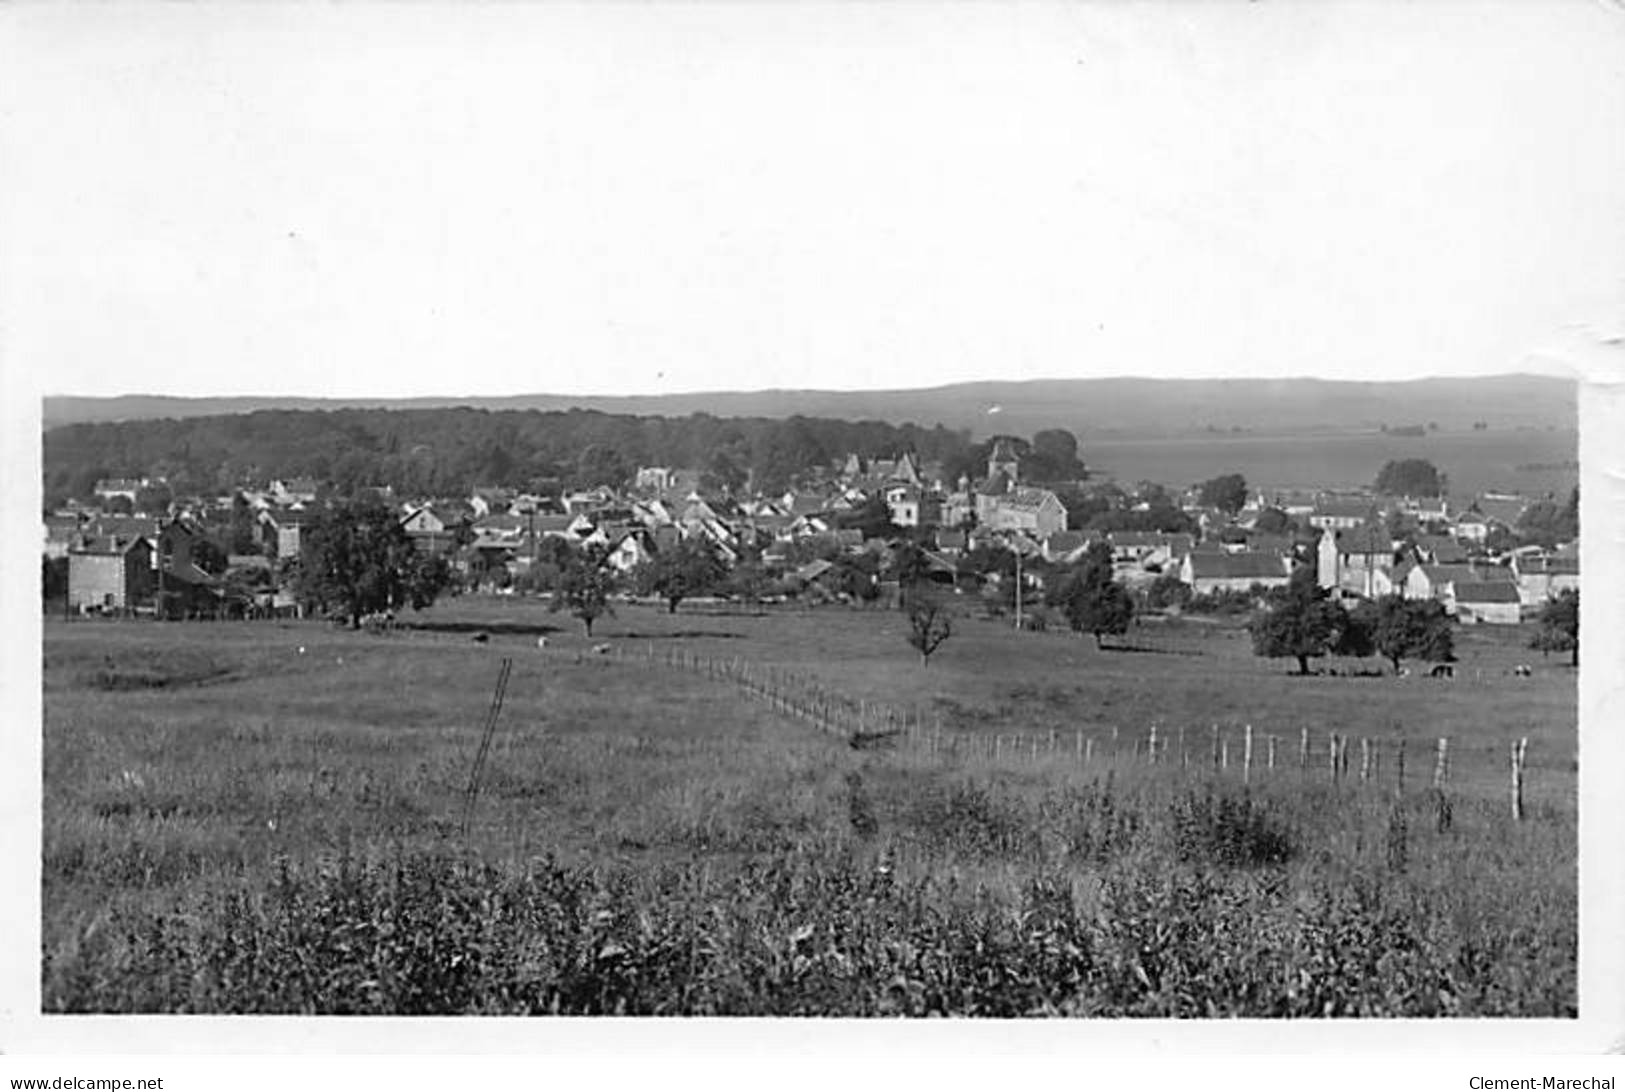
448,450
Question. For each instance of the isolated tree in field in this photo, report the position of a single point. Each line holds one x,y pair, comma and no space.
1092,601
929,624
911,569
1414,629
1302,623
1227,493
1560,626
584,584
357,558
1410,478
690,568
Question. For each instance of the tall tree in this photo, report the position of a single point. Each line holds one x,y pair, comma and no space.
1227,493
584,585
930,623
1560,626
1093,602
1054,457
1415,629
1410,478
688,569
358,559
1303,623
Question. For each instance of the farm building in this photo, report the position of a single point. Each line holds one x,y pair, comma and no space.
1067,547
1149,547
906,504
1542,577
284,529
488,500
110,573
1023,509
1341,515
295,491
1440,581
951,541
108,488
61,532
1440,550
1492,603
1351,559
1206,573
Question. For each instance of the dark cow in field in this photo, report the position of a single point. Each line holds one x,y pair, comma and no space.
1523,671
1442,671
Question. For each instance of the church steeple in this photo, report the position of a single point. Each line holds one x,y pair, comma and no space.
1003,460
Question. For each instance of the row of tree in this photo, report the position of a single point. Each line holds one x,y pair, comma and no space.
357,560
1303,622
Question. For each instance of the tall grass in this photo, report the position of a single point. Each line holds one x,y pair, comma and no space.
281,834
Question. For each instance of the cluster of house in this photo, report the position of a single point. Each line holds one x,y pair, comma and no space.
496,536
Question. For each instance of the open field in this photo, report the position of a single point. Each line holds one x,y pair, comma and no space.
233,824
1475,462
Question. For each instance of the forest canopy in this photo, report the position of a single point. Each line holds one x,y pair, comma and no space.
440,451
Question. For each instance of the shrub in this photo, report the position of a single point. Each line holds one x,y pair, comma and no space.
1233,831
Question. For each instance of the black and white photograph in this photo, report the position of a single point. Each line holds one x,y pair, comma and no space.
814,511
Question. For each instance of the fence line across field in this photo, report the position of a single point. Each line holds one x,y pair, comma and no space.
864,723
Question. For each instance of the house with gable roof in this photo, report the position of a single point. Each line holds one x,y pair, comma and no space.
1352,559
110,573
1206,573
1495,603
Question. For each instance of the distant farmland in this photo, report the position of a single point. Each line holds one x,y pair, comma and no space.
1474,461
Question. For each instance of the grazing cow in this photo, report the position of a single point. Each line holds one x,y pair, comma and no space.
541,642
1442,671
601,650
1404,672
1523,671
480,638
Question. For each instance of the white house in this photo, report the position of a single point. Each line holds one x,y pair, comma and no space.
1209,572
1024,508
1494,603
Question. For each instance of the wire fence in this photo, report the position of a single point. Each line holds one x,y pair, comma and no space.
1397,761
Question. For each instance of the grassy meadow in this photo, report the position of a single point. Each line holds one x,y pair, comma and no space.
270,817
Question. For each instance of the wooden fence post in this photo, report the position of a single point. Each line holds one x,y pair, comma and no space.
1080,745
1216,755
1117,750
1151,746
1365,758
1089,750
1518,750
1247,755
1184,756
1269,750
1441,764
1331,752
1303,750
1399,765
1224,754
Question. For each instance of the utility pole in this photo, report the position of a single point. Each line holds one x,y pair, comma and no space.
1019,596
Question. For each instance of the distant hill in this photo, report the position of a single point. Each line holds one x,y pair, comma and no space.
1088,407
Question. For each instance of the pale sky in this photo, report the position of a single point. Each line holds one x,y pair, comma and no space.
638,198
